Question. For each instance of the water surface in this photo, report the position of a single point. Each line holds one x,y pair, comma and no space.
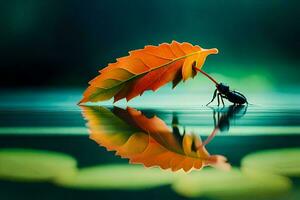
51,120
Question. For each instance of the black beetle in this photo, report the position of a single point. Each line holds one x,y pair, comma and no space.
223,91
233,96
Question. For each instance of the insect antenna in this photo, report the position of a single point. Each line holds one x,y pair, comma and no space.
208,76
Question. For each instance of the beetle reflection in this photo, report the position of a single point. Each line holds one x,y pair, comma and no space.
149,141
223,118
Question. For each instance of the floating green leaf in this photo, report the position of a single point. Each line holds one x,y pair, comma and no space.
279,161
230,185
35,165
122,177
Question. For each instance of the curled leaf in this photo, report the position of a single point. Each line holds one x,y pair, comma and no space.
146,69
147,141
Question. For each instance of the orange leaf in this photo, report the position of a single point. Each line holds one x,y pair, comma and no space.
146,69
147,141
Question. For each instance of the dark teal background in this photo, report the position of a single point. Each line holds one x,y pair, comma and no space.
64,43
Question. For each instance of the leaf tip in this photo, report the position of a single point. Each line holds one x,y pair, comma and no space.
83,100
213,51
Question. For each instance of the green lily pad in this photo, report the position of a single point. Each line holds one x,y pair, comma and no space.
121,177
279,161
232,184
35,165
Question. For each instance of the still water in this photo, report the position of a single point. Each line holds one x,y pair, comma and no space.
50,148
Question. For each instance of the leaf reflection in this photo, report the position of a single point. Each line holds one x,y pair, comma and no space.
148,141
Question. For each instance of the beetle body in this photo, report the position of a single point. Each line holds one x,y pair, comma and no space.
236,97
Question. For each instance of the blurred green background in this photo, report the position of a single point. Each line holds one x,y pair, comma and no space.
64,43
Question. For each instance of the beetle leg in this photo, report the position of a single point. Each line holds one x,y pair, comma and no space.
245,109
222,100
214,96
220,96
223,96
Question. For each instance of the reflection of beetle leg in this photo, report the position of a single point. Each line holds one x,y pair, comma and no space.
214,117
214,96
